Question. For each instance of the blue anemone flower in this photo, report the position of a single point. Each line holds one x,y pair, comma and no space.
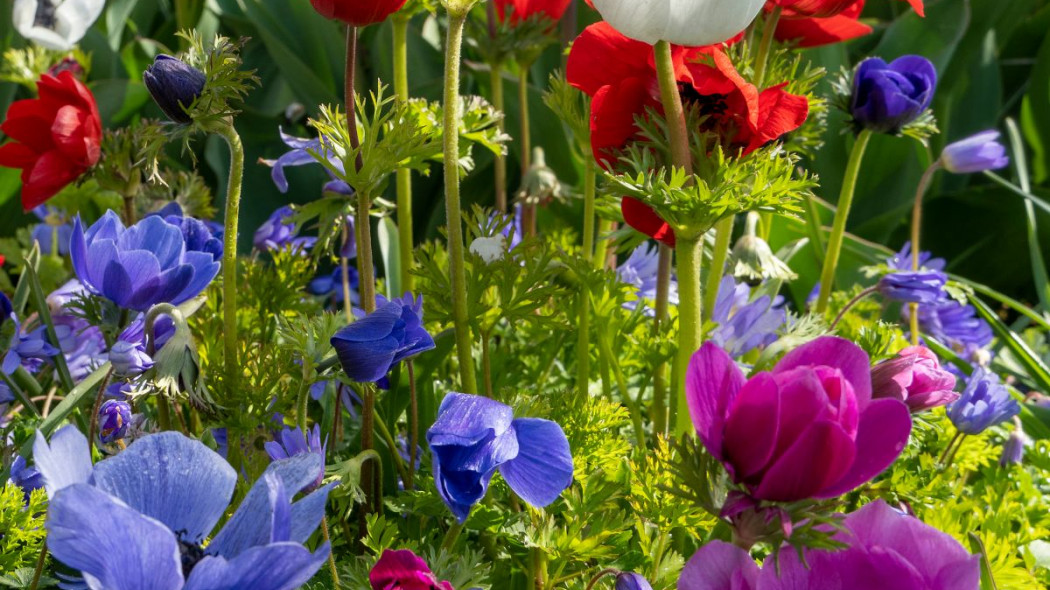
164,494
913,286
292,441
984,402
25,477
886,97
640,270
202,235
148,263
53,231
300,156
975,153
370,346
26,346
745,325
332,285
474,436
277,232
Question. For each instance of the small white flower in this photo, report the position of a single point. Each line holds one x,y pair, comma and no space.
489,249
684,22
56,24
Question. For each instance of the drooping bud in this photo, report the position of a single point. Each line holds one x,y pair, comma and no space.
976,153
540,183
174,86
129,358
753,261
489,249
1013,448
632,581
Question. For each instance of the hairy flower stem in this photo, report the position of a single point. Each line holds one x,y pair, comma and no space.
404,175
457,265
344,267
39,570
663,297
723,238
229,254
838,227
688,249
500,165
583,342
850,305
690,257
769,28
365,265
529,209
163,411
93,424
331,557
413,427
916,231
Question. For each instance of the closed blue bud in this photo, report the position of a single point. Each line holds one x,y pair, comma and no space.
137,267
631,581
1013,448
129,358
920,286
984,403
370,346
976,153
474,436
886,97
114,416
174,86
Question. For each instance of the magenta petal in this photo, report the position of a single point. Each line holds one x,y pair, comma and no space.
711,384
884,429
840,353
752,426
820,456
719,566
400,568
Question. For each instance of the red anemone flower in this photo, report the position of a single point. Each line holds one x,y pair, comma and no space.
814,31
827,8
521,10
620,76
56,137
358,13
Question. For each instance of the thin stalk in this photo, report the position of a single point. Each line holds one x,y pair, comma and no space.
605,572
916,232
673,110
529,210
93,428
399,462
851,303
331,558
368,410
486,366
723,237
499,103
602,244
404,175
457,264
951,444
590,181
663,296
947,462
838,228
583,343
344,267
229,254
39,570
302,400
690,258
365,266
451,536
20,395
350,91
413,426
539,569
765,45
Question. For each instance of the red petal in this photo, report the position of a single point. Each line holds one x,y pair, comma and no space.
52,173
613,110
642,218
920,9
601,56
779,113
29,122
17,155
814,32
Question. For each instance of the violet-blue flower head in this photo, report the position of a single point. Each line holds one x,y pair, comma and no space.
52,232
370,346
203,236
167,492
300,156
955,324
1013,448
640,270
278,232
976,153
742,325
886,97
291,442
331,285
114,417
25,477
474,436
174,86
6,397
913,286
902,260
26,346
129,358
984,403
631,581
137,267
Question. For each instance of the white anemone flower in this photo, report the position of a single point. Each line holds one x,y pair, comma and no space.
56,24
683,22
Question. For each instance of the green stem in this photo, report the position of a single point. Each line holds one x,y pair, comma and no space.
723,237
331,558
765,45
404,175
838,228
93,418
344,267
605,572
229,253
457,264
850,304
621,382
500,166
39,570
690,257
486,366
25,388
368,479
583,343
528,210
539,569
602,244
413,439
365,266
916,233
663,294
673,110
302,400
399,462
451,536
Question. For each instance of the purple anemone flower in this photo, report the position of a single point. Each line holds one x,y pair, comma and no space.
954,324
114,417
807,429
137,267
902,260
300,156
204,236
370,346
918,286
886,97
631,581
331,285
984,403
976,153
745,325
167,492
639,271
25,477
26,346
885,549
474,436
403,570
277,233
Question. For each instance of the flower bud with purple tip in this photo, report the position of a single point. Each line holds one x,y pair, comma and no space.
129,358
886,97
916,378
113,419
1013,448
631,581
174,85
976,153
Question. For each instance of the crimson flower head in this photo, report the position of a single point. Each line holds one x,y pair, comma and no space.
521,10
827,8
358,13
56,137
812,23
620,76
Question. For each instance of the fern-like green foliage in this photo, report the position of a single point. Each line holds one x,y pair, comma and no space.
21,528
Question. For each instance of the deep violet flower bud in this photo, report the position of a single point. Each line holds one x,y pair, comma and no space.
113,419
1013,448
918,286
984,403
474,436
404,570
886,97
916,378
632,581
291,442
976,153
370,346
807,429
174,86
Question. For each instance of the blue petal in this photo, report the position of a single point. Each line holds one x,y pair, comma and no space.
252,524
172,478
543,467
108,227
65,461
278,566
466,419
113,545
281,524
308,512
78,252
205,268
156,236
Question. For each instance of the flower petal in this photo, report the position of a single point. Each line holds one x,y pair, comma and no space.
820,456
884,429
719,566
543,467
712,382
66,461
753,424
836,352
277,566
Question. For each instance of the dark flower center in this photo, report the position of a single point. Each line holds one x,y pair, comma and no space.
190,553
713,105
45,14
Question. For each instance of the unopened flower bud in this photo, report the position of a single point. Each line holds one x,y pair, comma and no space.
976,153
753,261
129,358
1013,448
113,419
174,86
631,581
540,182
